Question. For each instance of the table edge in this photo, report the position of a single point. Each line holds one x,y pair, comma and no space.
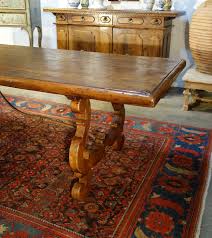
145,98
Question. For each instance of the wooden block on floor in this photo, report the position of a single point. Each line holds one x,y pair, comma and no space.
195,81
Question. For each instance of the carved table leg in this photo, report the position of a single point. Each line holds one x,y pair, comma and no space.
82,159
84,154
79,165
115,136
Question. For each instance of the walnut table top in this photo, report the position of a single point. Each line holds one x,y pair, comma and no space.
115,78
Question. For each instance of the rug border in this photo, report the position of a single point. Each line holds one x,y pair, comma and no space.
198,210
37,223
198,230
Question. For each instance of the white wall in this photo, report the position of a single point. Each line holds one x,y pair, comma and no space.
179,43
6,36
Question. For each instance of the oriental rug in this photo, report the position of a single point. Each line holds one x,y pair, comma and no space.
153,188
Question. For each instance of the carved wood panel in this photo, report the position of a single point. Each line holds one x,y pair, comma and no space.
138,42
95,39
62,37
127,41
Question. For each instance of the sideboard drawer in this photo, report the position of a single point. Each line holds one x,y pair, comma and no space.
82,19
154,22
129,20
12,4
62,18
13,19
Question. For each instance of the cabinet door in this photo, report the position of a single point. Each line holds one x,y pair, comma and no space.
62,37
138,42
90,38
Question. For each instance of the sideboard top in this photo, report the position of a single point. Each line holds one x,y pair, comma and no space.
109,11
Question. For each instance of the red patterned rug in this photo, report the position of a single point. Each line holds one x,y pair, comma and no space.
153,188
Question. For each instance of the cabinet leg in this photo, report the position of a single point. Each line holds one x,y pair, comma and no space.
195,97
31,40
40,36
187,94
30,35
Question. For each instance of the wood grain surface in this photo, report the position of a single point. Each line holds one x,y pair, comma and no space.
115,78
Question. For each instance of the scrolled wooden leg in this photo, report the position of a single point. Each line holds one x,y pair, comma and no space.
80,186
82,156
115,136
77,159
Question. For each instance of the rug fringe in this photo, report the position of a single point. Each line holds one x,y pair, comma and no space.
198,231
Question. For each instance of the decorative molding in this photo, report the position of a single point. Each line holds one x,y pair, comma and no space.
122,12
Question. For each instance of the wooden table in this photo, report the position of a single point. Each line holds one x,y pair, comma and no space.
82,76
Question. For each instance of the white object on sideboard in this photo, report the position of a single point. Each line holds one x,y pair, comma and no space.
148,4
97,4
22,13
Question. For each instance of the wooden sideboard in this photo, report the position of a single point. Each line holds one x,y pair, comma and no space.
22,13
130,32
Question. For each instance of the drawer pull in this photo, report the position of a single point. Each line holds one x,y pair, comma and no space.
82,18
130,20
61,18
156,21
105,19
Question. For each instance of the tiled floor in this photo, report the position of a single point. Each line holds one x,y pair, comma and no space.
168,109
